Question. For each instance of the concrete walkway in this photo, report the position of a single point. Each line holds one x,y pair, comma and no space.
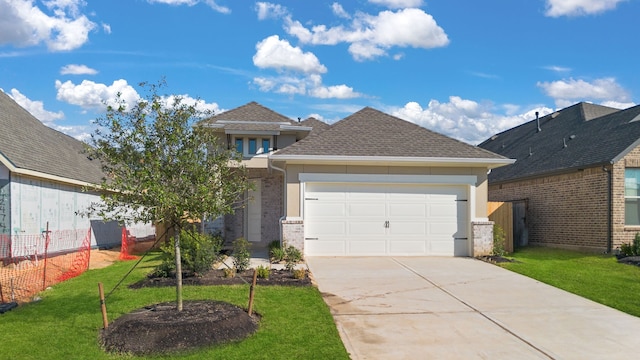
462,308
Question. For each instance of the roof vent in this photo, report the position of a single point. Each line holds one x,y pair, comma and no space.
564,142
555,114
538,121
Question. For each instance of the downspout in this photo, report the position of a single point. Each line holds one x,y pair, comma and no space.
284,192
610,209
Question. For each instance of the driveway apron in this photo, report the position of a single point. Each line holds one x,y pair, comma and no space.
462,308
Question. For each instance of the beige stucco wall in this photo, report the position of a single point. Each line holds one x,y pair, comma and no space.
293,183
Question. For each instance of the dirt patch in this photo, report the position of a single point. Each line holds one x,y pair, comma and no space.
102,258
161,328
217,277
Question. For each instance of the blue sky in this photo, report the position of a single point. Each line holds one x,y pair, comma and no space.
464,68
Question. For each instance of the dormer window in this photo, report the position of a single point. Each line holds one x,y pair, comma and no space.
250,146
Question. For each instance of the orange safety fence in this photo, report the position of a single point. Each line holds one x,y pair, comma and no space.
127,246
31,263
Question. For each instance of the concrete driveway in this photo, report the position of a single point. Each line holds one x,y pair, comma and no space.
462,308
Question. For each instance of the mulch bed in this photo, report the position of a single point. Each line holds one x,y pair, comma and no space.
161,328
494,259
217,277
630,260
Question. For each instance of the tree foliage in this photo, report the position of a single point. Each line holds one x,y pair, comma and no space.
161,164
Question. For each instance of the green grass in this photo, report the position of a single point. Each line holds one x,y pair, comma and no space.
296,322
597,277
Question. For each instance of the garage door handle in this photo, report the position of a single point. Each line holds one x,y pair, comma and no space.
311,238
386,224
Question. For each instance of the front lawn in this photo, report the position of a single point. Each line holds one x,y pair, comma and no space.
296,323
596,277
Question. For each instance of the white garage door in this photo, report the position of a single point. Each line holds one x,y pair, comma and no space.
383,219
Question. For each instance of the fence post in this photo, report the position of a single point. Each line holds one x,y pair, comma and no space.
46,256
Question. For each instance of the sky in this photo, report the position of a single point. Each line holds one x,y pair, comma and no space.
465,68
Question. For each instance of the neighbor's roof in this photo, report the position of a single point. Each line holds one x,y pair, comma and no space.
317,126
374,134
29,147
582,135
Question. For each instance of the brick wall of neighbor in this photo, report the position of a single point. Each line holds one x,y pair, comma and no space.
482,237
293,234
622,233
566,210
272,209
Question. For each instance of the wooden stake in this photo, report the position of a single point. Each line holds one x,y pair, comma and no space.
103,306
178,272
251,291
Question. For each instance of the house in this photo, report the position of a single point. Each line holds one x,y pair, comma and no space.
370,184
578,172
42,173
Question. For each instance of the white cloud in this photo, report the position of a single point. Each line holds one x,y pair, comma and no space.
310,85
268,10
398,4
211,3
24,24
567,92
370,36
77,69
465,120
36,108
339,11
91,95
200,105
280,55
558,69
106,28
557,8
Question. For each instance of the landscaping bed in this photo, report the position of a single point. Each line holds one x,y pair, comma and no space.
217,277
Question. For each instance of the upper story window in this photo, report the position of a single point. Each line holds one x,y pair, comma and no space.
632,196
252,146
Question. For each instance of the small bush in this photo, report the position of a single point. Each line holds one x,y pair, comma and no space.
198,252
299,273
275,244
263,272
631,249
241,254
292,257
276,254
498,241
229,272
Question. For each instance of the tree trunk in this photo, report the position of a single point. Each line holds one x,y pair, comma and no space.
178,271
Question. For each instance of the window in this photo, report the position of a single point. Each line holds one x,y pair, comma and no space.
253,146
632,197
239,147
265,145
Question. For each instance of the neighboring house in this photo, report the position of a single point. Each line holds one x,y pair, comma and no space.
42,173
578,171
370,184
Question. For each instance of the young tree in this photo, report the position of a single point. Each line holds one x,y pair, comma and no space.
162,166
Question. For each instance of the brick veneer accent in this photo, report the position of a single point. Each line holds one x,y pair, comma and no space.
566,210
293,234
622,233
271,204
482,237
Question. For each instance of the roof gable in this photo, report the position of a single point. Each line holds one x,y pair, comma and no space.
579,136
250,112
30,145
372,133
316,125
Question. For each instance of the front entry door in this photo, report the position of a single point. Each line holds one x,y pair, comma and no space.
254,212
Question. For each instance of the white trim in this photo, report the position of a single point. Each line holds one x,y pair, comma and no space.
385,178
37,174
252,132
251,122
337,159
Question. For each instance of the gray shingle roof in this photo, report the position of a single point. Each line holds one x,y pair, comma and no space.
594,135
28,144
250,112
370,132
317,125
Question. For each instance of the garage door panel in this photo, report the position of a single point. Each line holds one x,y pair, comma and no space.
366,247
326,209
366,209
327,228
400,210
366,227
407,228
408,247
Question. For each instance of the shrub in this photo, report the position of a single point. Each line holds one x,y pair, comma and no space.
263,272
299,273
631,249
498,241
241,254
275,244
292,257
198,252
229,273
276,254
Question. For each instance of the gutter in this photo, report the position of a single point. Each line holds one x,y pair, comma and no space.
609,171
488,162
37,174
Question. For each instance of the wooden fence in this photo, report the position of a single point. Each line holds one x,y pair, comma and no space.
501,213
